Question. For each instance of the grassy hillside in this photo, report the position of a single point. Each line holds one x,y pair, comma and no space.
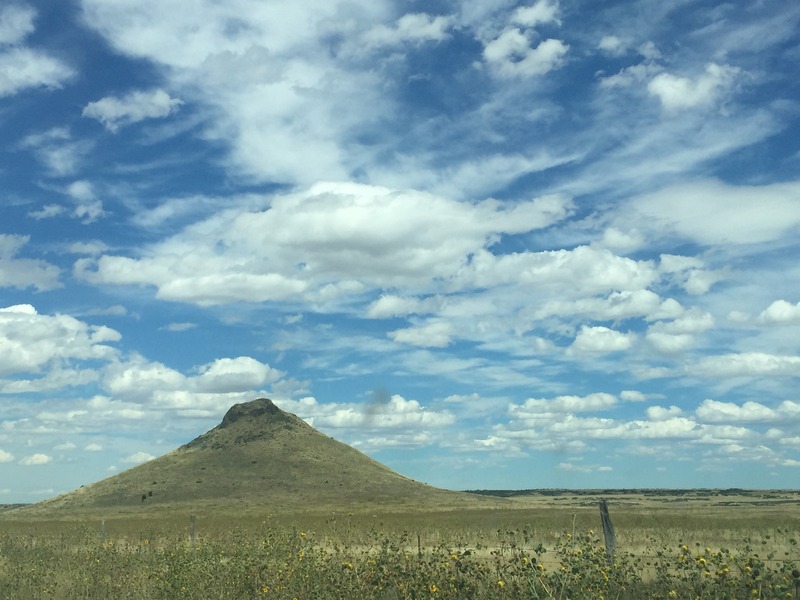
263,458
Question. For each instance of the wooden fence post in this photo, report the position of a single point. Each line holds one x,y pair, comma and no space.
608,531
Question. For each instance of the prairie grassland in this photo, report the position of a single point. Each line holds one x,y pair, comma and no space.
538,547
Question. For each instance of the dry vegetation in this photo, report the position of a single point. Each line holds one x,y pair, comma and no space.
285,512
697,544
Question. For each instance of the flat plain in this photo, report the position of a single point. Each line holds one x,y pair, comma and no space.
508,544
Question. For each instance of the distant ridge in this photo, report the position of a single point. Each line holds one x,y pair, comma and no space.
262,458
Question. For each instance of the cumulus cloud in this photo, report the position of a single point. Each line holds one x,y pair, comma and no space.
555,424
357,235
616,306
659,413
5,456
601,340
138,458
580,271
235,375
262,79
746,364
136,387
713,411
613,45
16,22
35,459
22,68
389,305
56,149
24,272
30,341
676,92
115,112
511,55
543,11
780,311
711,212
393,418
539,408
433,334
680,333
413,28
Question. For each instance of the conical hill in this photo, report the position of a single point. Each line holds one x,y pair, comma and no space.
258,457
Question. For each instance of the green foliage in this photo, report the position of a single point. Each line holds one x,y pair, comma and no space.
342,561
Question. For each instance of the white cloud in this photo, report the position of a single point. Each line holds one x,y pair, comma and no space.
360,236
712,411
780,311
137,387
543,408
394,418
616,306
681,92
679,334
262,78
138,458
235,375
632,396
669,343
659,413
57,151
35,459
389,305
93,447
22,68
115,112
433,334
49,211
544,11
16,22
581,271
5,456
24,272
511,55
576,468
613,45
600,340
91,248
31,341
746,364
711,212
178,327
415,28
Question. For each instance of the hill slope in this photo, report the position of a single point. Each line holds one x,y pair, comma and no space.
258,457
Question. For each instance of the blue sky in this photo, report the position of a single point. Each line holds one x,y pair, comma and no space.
490,244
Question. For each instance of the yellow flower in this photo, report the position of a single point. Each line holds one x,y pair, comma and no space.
433,588
264,589
501,583
673,594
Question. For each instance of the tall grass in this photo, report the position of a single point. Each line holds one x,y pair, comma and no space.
366,556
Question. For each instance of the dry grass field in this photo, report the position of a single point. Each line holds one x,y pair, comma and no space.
545,544
264,506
